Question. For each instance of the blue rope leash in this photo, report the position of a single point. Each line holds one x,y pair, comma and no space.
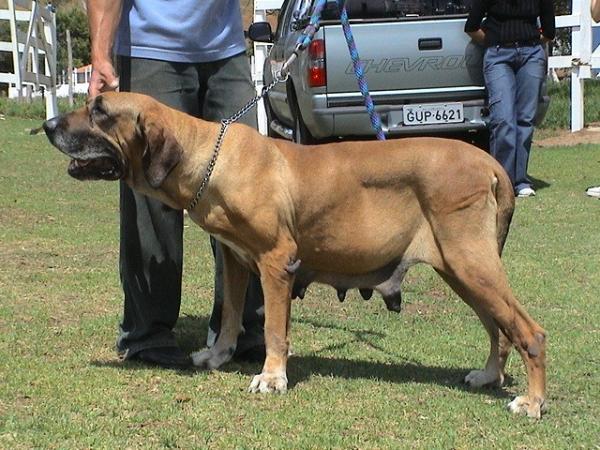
313,25
359,72
307,36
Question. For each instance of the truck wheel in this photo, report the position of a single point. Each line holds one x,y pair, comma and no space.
482,140
269,113
300,135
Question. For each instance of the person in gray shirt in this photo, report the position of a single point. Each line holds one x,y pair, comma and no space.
190,55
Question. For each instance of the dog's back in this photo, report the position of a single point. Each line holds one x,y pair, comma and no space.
426,174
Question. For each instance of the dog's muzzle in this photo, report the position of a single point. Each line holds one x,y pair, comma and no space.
50,126
92,156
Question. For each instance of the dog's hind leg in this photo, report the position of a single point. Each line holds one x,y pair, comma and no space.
493,373
480,280
277,288
235,281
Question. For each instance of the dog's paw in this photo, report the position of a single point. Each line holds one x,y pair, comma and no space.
524,405
269,382
480,378
210,359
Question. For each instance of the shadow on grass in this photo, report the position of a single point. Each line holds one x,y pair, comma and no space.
191,332
139,365
538,184
302,368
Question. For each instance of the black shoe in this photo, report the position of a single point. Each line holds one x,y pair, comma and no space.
167,357
256,354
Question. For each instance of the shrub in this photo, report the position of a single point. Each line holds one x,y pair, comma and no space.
559,112
36,109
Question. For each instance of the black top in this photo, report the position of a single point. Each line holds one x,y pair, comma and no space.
508,21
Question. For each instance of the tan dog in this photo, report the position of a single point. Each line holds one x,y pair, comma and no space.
351,214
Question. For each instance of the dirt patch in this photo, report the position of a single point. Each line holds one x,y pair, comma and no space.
419,308
565,138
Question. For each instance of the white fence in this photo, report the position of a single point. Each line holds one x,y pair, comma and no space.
581,61
79,82
33,51
261,50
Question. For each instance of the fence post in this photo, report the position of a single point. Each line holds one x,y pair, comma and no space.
581,50
70,69
50,60
15,53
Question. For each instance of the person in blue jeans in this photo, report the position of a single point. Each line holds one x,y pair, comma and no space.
190,55
514,33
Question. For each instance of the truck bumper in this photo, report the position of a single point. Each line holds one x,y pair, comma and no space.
345,121
354,120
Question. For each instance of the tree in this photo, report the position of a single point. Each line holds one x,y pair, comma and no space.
562,42
74,20
6,58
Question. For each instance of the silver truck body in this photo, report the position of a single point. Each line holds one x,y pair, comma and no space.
415,66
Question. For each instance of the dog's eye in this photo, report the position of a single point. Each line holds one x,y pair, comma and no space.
99,111
100,117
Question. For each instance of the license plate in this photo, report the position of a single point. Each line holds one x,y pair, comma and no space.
433,113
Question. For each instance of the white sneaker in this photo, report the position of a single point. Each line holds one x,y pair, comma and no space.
526,192
593,191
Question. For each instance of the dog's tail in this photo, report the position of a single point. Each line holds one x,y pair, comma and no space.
505,201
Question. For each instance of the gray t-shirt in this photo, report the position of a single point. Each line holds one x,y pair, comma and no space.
188,31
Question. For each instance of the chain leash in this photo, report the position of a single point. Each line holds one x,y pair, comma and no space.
280,77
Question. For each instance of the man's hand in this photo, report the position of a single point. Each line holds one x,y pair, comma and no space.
103,78
477,36
103,16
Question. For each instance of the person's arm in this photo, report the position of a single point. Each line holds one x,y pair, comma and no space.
103,18
473,24
478,36
595,10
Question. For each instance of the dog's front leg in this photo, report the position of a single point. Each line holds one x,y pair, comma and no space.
235,281
277,285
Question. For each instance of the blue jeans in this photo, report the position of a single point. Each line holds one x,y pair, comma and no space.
513,78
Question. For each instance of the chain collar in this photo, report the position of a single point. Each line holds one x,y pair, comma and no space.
211,164
279,78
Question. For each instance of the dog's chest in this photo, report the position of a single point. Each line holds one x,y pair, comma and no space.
243,256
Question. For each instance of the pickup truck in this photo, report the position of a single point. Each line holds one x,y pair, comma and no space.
424,73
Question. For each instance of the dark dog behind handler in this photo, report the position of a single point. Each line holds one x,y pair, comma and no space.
515,65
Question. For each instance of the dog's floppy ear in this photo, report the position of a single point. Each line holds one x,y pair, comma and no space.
162,152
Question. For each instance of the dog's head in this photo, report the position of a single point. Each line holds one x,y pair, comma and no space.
115,136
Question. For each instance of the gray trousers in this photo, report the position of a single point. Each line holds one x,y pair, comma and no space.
151,250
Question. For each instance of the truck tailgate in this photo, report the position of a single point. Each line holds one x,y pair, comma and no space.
414,55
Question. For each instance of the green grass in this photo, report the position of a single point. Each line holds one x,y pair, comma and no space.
360,377
559,111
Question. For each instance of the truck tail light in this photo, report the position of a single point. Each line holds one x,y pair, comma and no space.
317,74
